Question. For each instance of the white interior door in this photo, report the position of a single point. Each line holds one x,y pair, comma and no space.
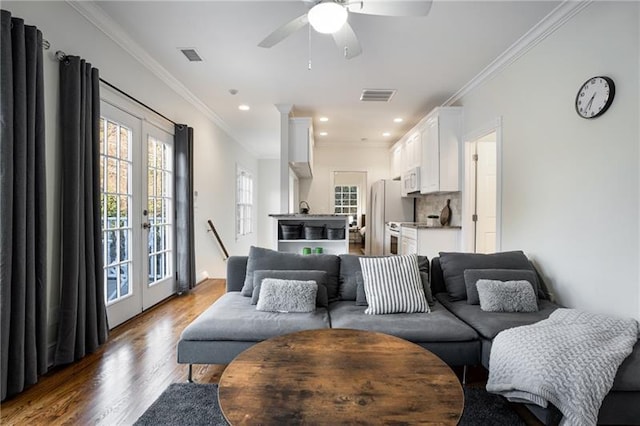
485,197
133,211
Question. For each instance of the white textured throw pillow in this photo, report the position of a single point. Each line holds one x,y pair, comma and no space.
506,296
287,296
392,285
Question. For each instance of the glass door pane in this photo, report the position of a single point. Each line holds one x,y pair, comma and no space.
115,201
160,206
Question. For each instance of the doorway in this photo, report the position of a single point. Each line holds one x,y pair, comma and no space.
348,196
481,217
136,188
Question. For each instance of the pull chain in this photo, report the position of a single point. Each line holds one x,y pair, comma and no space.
309,64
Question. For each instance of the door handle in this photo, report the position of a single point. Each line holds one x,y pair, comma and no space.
146,225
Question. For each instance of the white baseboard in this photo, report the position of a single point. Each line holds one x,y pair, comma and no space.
202,275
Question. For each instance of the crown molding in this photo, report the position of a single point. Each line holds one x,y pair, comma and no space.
103,22
547,26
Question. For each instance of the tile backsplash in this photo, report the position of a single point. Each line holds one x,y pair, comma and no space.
433,203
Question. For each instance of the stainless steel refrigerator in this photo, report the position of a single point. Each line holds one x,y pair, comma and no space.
386,204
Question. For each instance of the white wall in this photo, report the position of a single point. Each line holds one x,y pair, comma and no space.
570,185
268,200
336,158
215,152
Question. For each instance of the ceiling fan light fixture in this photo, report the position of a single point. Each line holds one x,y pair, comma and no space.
327,18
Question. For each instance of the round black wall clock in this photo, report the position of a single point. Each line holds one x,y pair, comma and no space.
595,97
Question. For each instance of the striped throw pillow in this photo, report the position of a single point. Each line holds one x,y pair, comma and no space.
392,285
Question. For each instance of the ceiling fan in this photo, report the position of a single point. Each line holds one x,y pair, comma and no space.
330,17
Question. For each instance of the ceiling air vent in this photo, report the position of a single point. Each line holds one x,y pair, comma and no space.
377,95
191,55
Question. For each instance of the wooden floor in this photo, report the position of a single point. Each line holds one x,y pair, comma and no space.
356,248
115,385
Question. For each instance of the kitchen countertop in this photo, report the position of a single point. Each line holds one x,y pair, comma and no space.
425,225
308,215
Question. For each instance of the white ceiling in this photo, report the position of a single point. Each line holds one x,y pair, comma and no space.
427,59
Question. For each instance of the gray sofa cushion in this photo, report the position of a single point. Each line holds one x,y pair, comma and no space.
471,277
265,259
320,277
454,264
287,296
233,317
506,296
439,325
489,324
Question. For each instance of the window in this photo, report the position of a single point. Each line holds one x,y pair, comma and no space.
244,202
346,200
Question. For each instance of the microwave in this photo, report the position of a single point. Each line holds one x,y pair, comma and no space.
411,181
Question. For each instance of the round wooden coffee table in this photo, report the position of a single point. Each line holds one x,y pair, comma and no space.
339,376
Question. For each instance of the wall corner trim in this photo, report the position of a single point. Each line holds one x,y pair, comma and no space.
103,22
547,26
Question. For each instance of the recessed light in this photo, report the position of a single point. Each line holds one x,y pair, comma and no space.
323,133
244,107
398,120
385,134
324,119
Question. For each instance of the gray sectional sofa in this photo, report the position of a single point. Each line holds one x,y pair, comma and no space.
458,332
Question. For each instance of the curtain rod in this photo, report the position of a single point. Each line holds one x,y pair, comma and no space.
61,56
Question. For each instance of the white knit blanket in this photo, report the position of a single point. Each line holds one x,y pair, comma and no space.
569,359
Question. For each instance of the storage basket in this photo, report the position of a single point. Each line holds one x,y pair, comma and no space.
313,232
291,231
335,233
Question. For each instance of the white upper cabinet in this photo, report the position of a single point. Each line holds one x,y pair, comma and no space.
406,154
396,161
441,135
301,144
412,151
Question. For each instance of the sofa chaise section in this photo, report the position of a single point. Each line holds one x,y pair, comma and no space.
234,324
622,403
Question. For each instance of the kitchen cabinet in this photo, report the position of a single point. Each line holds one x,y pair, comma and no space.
428,241
441,138
285,243
301,145
406,154
396,161
412,152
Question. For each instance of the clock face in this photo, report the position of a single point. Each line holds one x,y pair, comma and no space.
595,97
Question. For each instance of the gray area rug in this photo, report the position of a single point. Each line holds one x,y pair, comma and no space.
197,404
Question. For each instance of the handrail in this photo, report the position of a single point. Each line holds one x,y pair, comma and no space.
224,249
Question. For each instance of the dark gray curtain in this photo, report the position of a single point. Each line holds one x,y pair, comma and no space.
23,256
82,323
185,256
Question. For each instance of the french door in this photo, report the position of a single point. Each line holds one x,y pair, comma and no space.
136,184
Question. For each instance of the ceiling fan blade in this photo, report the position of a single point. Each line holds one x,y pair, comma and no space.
347,40
284,31
391,7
